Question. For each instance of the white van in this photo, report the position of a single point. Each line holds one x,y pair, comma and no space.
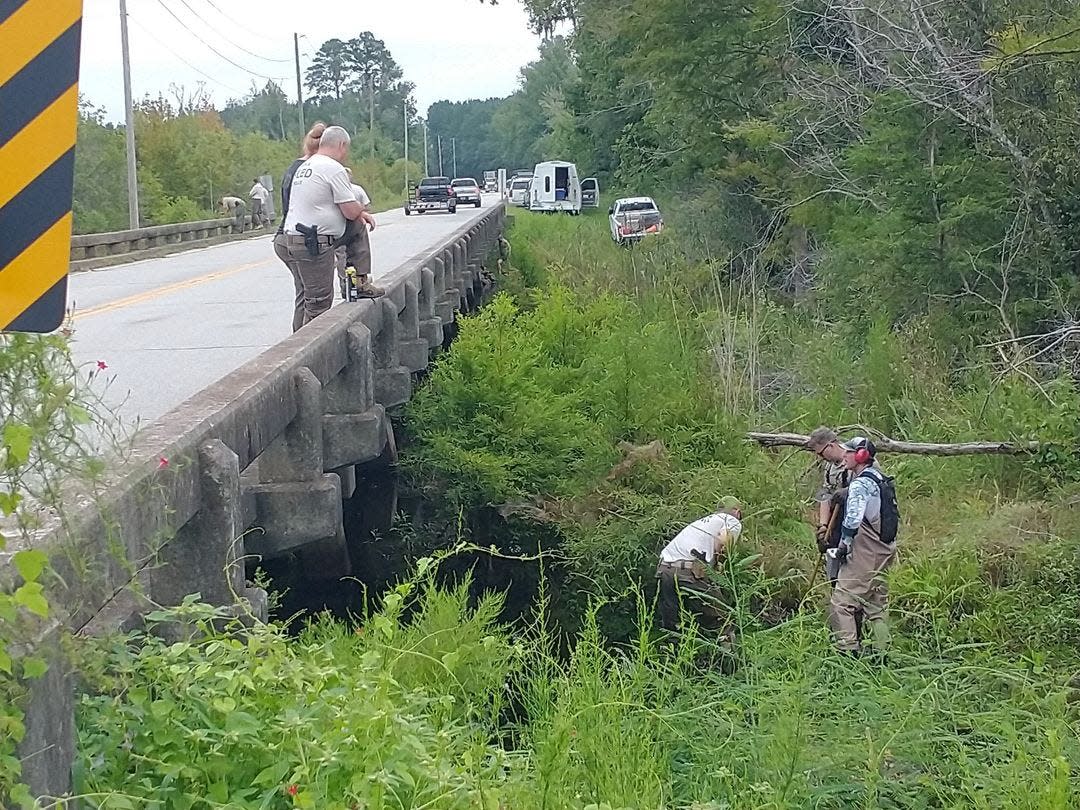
555,187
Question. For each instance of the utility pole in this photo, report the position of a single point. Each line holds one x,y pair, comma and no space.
427,173
453,143
439,137
129,122
406,106
299,86
371,111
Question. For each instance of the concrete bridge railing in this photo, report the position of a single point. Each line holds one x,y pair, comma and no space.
272,447
92,249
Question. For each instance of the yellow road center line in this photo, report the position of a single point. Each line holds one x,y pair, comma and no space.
168,289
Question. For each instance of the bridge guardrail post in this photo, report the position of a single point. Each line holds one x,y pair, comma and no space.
354,426
206,554
393,381
431,324
297,504
413,348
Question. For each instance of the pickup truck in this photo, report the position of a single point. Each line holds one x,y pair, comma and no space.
467,191
433,194
634,218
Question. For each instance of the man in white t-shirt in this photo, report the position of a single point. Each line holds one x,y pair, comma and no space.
234,207
684,562
356,250
321,203
260,200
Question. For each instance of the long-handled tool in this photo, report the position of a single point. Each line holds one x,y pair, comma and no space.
833,517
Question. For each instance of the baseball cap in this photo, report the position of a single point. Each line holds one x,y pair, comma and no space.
859,443
731,502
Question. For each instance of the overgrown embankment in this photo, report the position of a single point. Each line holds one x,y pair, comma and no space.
608,392
598,406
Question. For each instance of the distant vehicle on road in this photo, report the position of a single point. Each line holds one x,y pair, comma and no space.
519,191
555,187
634,218
466,190
491,181
433,194
590,193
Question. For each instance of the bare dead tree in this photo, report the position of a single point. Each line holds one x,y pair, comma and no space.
908,45
191,100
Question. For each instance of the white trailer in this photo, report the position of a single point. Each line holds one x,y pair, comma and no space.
555,187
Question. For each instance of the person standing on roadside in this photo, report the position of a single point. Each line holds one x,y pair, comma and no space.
260,201
321,203
356,250
235,207
309,147
683,570
866,551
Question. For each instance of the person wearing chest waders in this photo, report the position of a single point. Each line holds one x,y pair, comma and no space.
683,570
867,549
831,495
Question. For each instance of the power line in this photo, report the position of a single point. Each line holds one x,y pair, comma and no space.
188,28
229,41
240,25
164,45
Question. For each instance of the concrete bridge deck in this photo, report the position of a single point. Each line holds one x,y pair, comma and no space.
171,326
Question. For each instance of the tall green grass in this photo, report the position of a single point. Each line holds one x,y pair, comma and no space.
446,709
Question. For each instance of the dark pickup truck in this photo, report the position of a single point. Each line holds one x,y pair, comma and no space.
433,194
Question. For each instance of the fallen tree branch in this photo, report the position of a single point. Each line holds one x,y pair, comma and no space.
887,445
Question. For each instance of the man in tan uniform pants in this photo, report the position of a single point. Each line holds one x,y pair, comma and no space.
865,553
682,572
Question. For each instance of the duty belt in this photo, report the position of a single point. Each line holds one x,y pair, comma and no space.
299,239
681,565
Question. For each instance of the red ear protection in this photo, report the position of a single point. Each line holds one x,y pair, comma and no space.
862,456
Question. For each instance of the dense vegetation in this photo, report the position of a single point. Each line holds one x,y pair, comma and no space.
870,210
432,703
191,154
908,159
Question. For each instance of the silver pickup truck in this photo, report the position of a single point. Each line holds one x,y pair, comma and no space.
634,218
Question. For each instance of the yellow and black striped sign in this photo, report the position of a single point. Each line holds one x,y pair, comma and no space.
39,108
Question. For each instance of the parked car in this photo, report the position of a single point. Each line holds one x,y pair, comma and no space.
555,187
433,194
519,191
466,190
590,193
634,218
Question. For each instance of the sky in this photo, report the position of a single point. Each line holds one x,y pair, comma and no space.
450,49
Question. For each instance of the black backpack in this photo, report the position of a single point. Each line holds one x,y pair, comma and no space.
890,511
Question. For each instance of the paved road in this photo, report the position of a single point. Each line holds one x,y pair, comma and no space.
169,327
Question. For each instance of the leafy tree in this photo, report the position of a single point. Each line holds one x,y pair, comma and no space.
100,198
330,71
